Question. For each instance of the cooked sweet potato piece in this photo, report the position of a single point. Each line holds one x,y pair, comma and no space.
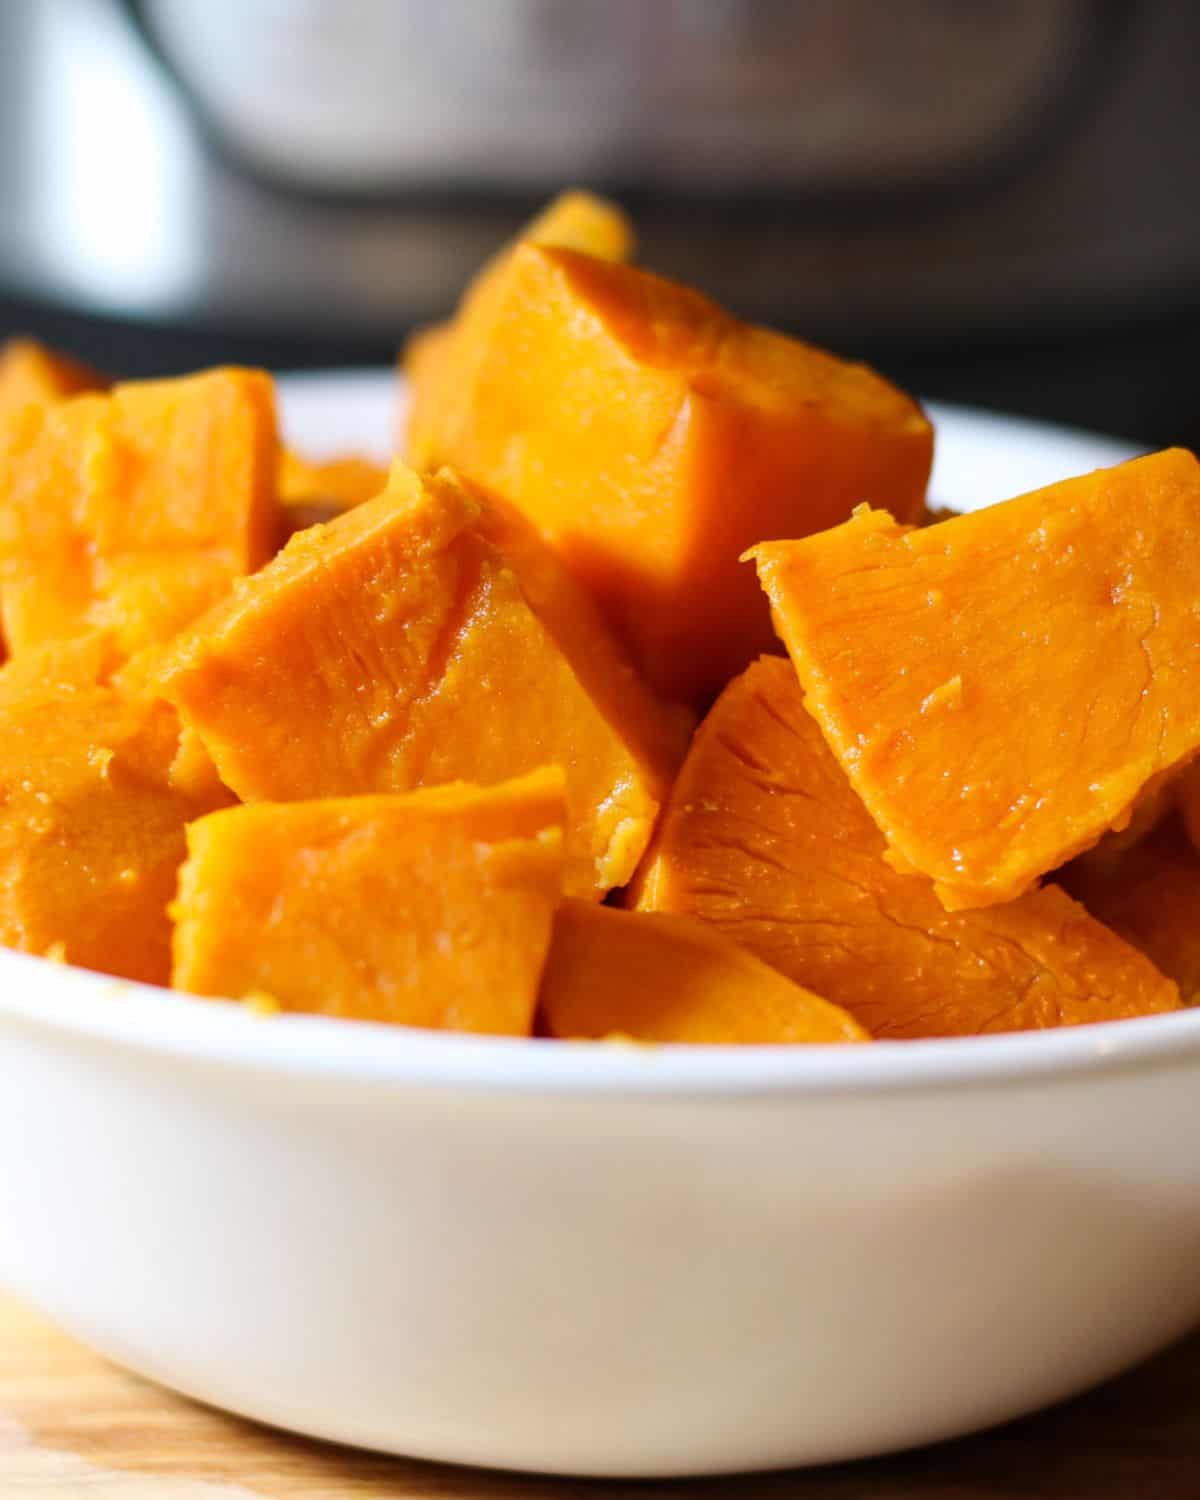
1148,893
1000,688
31,373
764,837
332,484
425,363
439,360
56,669
134,511
659,978
652,437
91,828
432,909
583,221
424,638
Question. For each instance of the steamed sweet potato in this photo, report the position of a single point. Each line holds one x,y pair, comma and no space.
1001,688
1149,894
421,638
652,437
91,827
133,512
32,374
432,909
56,669
764,837
438,361
331,485
658,978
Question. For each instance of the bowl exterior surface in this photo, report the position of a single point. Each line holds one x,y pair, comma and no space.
591,1284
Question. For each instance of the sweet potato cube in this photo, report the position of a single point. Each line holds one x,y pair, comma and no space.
659,978
31,373
1149,894
134,511
439,360
332,484
57,669
432,909
652,437
764,837
418,639
91,828
1000,688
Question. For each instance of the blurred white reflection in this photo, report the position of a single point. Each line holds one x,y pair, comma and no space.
114,161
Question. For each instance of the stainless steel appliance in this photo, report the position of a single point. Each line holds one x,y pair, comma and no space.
916,176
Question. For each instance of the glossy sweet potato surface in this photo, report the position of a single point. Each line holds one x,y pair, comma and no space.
440,361
432,909
92,827
765,838
399,647
1148,892
134,511
652,437
331,484
657,978
1002,687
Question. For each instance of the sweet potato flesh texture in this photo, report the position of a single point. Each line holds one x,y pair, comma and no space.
1148,893
60,668
31,373
332,484
652,437
660,978
134,511
439,361
432,909
1001,687
397,647
91,828
764,837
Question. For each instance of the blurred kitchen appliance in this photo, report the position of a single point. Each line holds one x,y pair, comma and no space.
334,169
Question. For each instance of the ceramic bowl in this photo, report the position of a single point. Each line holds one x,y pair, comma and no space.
595,1259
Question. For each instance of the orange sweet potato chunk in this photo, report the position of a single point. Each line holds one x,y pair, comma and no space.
432,909
334,484
652,437
659,978
422,638
1148,893
134,511
91,828
1000,688
439,360
30,373
60,668
764,837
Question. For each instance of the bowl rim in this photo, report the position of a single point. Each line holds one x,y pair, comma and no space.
42,997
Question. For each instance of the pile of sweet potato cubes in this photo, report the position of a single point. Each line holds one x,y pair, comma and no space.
506,740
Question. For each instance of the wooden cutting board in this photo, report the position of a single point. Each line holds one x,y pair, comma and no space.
75,1428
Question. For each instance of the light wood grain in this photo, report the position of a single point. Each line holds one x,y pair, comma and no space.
72,1426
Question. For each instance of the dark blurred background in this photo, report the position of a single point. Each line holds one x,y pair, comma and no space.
993,200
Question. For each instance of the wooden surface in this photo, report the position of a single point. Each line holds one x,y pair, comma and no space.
75,1428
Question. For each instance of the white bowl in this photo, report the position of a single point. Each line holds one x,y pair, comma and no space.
601,1260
